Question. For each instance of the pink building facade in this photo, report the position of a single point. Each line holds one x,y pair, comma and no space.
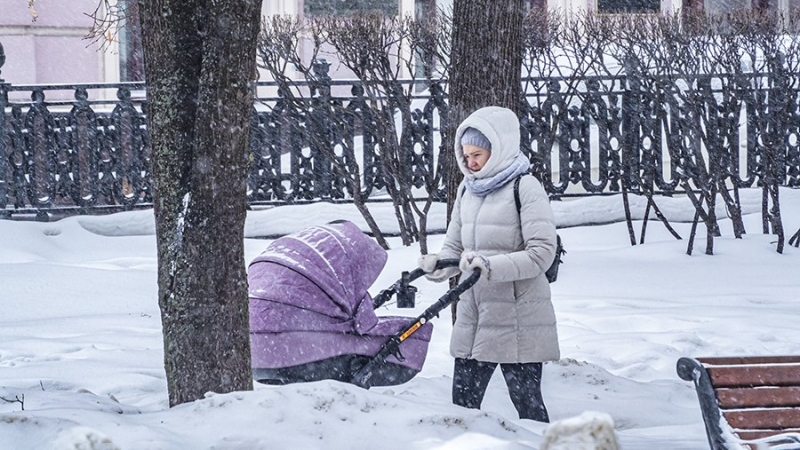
53,48
51,45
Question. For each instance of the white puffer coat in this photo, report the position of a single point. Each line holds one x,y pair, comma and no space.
508,318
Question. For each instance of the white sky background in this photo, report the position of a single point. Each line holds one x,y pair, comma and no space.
80,338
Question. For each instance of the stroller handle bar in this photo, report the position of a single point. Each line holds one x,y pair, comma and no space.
392,346
405,292
440,264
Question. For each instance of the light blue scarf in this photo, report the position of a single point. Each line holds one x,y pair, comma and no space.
483,186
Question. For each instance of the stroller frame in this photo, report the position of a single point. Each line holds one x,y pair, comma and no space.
365,371
363,375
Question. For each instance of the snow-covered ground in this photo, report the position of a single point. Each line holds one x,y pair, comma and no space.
80,339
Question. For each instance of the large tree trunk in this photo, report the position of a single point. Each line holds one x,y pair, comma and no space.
485,69
486,66
199,60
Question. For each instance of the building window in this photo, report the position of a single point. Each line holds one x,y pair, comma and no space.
539,5
319,7
628,6
765,5
424,8
131,57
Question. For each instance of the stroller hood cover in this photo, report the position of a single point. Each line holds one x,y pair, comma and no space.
320,276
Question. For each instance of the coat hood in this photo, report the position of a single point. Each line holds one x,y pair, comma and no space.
501,127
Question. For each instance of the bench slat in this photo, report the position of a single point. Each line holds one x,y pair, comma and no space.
745,376
749,435
760,397
748,360
760,419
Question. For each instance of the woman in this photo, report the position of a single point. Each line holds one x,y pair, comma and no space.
507,318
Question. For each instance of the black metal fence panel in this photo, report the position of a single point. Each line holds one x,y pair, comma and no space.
592,136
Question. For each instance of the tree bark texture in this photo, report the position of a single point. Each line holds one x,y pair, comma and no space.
485,67
200,57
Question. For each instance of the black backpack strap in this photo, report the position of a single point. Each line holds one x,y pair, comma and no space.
516,192
552,272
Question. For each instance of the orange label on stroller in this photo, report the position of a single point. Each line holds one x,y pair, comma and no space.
410,331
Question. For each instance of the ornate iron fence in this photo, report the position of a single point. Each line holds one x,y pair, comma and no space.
591,136
80,154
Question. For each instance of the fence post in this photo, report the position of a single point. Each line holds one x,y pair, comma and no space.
4,214
631,127
322,133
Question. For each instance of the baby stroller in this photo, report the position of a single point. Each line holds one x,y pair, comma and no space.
311,317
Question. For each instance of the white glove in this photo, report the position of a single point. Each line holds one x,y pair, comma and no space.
473,260
428,265
428,262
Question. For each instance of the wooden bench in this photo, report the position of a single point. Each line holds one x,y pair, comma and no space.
747,402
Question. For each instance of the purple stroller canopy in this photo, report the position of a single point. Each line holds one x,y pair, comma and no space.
330,268
309,299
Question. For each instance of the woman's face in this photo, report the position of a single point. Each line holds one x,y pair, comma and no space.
475,157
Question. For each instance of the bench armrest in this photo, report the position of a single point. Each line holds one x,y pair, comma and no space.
692,370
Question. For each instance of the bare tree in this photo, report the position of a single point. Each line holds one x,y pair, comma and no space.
279,49
431,41
772,47
372,47
669,64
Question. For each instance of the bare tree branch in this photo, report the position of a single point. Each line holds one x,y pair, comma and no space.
16,399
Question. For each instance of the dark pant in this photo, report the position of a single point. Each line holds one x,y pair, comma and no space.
524,381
